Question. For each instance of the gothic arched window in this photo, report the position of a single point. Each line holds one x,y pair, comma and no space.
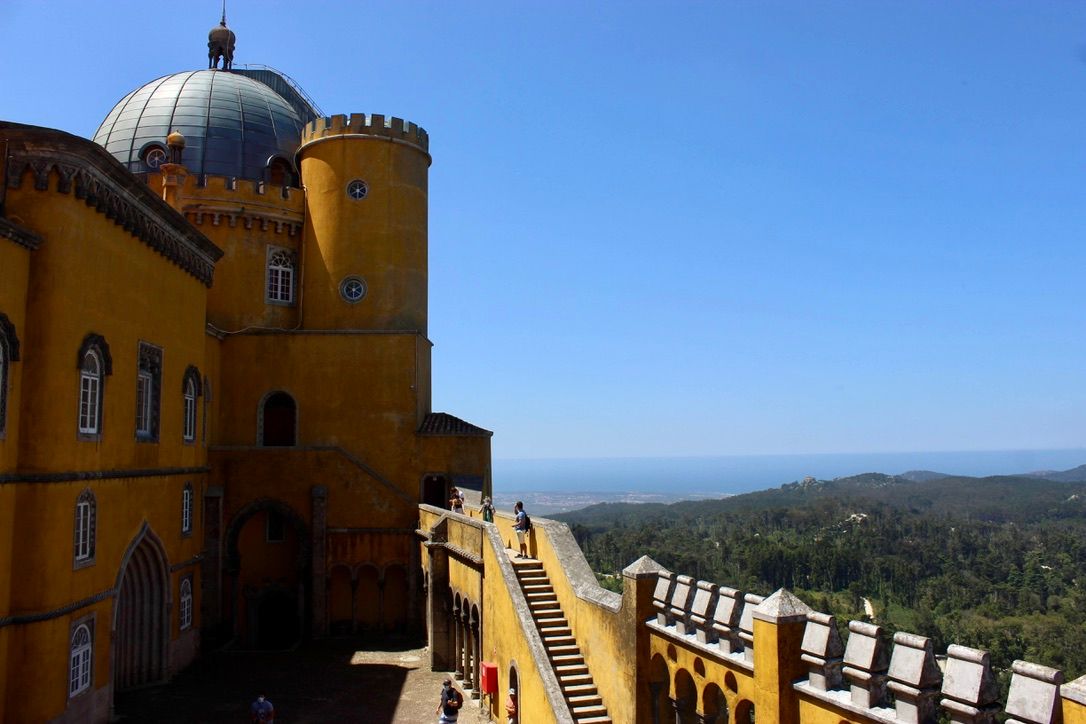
190,390
94,364
85,519
79,668
9,352
280,277
186,603
186,509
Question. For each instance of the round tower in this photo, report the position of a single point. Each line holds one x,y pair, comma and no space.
365,251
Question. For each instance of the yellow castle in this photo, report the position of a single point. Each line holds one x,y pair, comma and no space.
215,426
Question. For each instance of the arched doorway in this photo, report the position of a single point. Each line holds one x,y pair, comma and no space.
267,581
278,420
141,616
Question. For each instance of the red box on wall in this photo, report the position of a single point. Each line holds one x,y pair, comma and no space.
489,677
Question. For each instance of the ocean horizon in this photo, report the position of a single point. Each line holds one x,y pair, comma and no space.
732,474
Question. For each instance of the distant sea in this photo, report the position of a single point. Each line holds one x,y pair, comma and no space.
699,477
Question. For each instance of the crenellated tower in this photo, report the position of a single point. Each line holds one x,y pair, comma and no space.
364,258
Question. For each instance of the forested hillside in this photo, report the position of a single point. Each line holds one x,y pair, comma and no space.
998,563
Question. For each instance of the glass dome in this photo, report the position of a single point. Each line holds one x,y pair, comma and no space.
233,125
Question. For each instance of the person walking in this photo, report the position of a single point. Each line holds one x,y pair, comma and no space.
261,711
488,510
449,706
522,525
456,502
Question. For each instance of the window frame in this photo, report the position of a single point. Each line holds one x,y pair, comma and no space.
184,604
188,432
81,658
90,396
5,358
9,352
148,392
84,529
186,510
280,262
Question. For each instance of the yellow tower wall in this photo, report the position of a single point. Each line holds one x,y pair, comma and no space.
381,238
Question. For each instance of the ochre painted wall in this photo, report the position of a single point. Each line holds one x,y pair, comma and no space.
382,238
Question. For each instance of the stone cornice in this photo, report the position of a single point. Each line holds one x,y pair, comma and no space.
22,237
86,170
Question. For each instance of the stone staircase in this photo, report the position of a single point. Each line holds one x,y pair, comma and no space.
569,666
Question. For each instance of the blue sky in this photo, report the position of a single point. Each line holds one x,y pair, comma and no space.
693,228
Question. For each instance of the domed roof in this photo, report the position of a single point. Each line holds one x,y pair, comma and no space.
233,125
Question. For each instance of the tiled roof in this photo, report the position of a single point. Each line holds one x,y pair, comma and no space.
442,423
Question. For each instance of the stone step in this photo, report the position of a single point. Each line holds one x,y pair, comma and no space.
554,631
571,669
562,649
571,679
585,700
589,711
567,659
580,689
551,641
540,596
595,720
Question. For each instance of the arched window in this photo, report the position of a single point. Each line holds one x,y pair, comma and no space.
278,418
190,390
186,603
3,382
9,352
85,520
280,278
148,388
186,509
79,668
90,394
280,172
94,363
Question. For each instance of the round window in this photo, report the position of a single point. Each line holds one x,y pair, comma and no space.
357,189
154,157
352,289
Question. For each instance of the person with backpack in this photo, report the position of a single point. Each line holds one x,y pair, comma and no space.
449,706
522,525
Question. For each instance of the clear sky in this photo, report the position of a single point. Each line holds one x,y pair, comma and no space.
693,228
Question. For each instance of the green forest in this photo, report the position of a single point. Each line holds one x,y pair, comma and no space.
995,563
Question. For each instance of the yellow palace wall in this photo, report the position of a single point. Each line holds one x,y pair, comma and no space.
89,275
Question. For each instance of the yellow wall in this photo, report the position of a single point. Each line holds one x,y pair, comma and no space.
382,238
89,275
88,268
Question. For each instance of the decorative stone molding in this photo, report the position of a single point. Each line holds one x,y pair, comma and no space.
701,611
914,678
87,171
726,617
679,605
970,693
1034,696
823,651
98,344
746,624
866,664
13,232
661,597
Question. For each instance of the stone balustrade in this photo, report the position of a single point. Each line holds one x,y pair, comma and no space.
869,679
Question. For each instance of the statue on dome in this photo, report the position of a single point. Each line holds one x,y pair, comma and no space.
220,44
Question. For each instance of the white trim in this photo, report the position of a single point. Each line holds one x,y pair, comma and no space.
80,660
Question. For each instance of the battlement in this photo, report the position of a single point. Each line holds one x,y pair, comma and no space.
363,124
